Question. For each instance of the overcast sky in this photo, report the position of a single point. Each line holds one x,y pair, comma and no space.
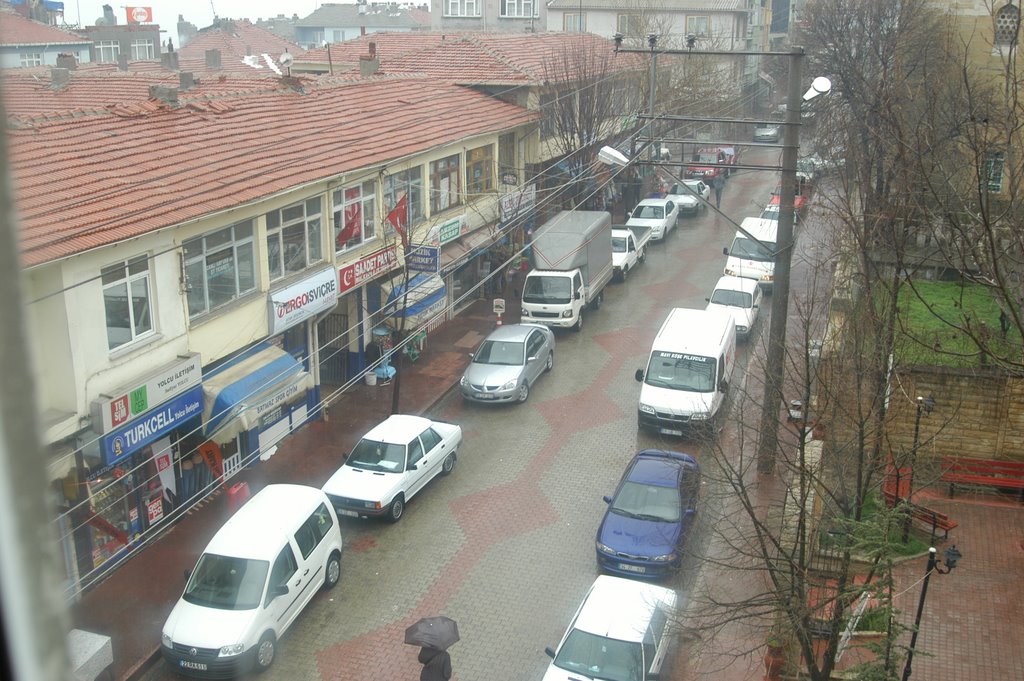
198,12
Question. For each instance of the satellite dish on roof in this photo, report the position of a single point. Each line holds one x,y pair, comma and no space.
286,59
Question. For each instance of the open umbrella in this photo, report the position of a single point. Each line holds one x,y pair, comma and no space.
433,632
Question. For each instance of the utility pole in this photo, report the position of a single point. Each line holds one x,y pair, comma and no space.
774,374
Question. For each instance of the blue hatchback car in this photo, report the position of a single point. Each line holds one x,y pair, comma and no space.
650,515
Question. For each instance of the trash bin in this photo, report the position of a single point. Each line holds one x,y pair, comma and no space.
371,378
238,494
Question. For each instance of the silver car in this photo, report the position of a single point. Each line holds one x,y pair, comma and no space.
508,362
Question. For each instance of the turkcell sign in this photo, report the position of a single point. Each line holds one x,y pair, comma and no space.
152,425
120,406
424,259
302,300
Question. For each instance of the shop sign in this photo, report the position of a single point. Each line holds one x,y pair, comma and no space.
302,300
155,510
519,202
111,411
424,259
151,426
355,274
450,231
290,390
510,178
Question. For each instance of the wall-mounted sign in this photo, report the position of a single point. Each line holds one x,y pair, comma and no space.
510,178
450,231
518,202
152,425
355,274
111,411
302,300
424,259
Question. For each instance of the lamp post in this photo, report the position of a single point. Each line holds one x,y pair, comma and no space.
924,405
952,556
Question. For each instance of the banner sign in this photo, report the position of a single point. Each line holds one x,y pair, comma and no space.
151,426
355,274
111,411
302,300
424,259
450,231
519,202
139,15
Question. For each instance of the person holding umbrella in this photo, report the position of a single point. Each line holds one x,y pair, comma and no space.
435,635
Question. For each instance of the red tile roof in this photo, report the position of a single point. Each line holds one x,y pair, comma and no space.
30,92
236,39
190,64
85,179
17,30
389,46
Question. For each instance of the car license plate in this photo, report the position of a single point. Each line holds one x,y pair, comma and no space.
188,664
484,396
632,568
351,514
670,431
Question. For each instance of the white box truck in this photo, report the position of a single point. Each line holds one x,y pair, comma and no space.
752,260
572,260
687,377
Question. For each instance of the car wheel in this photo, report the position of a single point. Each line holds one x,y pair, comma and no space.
579,322
448,465
643,256
265,650
625,273
396,509
523,393
551,361
599,300
332,573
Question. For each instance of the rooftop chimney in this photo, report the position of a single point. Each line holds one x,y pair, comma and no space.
169,60
59,78
66,60
368,63
165,94
213,59
186,81
122,62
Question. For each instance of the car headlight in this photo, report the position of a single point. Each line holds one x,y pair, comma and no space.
510,385
233,649
700,416
566,313
646,408
165,639
664,559
374,505
525,313
605,549
463,382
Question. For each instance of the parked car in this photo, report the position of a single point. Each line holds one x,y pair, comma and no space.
742,298
645,527
508,362
691,188
687,203
661,215
766,132
623,631
390,464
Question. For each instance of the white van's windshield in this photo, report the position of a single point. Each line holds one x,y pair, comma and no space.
748,249
676,371
227,583
598,657
550,290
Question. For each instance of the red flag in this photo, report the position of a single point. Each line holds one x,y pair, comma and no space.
352,226
399,217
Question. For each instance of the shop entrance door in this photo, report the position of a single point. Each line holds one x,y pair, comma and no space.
333,334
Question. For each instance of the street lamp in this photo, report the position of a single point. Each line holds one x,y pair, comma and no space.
924,406
952,556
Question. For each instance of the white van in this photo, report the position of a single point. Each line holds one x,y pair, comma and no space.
688,373
254,577
620,631
752,260
741,298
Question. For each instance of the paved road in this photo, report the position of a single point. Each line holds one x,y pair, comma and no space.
505,544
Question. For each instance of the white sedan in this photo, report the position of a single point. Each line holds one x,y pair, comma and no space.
660,215
690,195
390,464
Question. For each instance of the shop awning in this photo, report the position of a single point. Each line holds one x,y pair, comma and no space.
427,298
457,253
237,394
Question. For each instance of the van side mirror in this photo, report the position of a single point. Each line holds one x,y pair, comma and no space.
579,294
725,250
471,354
550,652
188,575
707,300
639,376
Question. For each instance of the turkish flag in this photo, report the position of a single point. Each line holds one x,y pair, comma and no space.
399,217
139,15
352,224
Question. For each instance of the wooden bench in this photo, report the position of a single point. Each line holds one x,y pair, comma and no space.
928,517
985,472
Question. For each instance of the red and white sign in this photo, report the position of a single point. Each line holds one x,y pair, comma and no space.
302,300
139,15
355,274
155,510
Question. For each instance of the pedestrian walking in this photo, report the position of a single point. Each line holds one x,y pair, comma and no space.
718,184
437,664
